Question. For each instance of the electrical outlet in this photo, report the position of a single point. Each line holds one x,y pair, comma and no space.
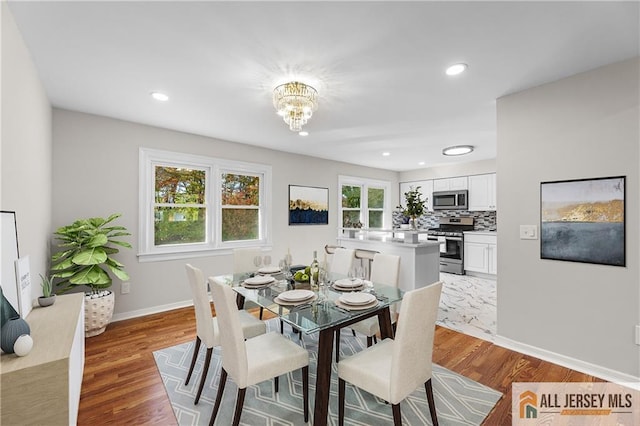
125,287
528,232
637,334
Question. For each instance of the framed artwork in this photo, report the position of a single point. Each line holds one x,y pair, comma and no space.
583,220
308,205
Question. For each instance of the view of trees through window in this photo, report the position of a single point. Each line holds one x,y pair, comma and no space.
179,209
240,207
375,200
357,197
350,205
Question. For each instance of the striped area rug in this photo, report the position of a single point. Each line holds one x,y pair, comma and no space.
459,400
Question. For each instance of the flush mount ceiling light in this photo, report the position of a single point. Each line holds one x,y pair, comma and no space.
295,102
457,150
159,96
386,154
456,69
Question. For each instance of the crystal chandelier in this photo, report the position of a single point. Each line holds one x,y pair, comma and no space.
295,103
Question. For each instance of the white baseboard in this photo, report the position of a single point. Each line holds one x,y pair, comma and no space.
153,310
572,363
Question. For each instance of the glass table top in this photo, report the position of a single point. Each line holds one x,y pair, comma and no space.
316,315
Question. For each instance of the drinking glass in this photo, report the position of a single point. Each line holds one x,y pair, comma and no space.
267,260
257,261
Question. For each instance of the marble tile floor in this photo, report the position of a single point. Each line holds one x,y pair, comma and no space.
468,305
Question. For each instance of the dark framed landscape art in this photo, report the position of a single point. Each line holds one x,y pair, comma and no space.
308,205
583,220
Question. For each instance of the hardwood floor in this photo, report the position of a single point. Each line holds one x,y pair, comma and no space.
121,384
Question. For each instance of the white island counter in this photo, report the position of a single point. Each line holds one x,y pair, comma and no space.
420,260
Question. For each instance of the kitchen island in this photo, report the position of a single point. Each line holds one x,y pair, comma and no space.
420,260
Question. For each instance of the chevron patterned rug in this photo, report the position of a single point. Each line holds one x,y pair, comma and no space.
459,400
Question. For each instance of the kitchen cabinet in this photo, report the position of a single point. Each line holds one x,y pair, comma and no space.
482,192
426,189
450,184
481,252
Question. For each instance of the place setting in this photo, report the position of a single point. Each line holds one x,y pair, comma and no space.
356,301
295,297
258,281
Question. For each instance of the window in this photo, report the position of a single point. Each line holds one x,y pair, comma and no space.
193,205
365,201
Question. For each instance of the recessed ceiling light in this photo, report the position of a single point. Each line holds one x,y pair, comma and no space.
457,150
456,69
159,96
421,163
303,133
386,154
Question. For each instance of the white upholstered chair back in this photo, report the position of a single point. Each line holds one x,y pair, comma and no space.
204,325
385,269
243,259
413,344
342,260
234,353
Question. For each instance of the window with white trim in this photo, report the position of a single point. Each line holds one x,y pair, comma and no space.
193,205
365,201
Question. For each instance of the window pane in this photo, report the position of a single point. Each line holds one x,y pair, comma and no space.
240,224
376,198
240,190
375,219
350,218
179,225
179,185
350,196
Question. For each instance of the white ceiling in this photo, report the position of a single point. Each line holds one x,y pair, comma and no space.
378,67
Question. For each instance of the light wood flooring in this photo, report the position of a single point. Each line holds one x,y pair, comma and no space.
121,384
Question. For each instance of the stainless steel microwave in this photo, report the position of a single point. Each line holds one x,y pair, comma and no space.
451,200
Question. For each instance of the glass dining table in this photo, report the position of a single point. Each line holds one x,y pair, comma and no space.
324,315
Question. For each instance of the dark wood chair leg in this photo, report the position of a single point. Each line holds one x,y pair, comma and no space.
397,417
337,346
196,349
261,309
375,340
353,332
281,327
239,404
432,403
276,383
341,389
369,341
305,392
205,370
216,406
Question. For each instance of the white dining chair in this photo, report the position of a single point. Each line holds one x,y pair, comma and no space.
254,360
394,368
207,329
342,261
385,269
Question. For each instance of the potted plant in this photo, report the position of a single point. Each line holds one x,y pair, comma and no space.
415,205
48,298
85,259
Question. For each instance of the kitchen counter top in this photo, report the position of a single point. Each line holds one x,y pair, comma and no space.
481,232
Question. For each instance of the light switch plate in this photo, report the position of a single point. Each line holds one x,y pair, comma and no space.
528,232
125,287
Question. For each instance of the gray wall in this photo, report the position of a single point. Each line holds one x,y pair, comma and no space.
580,127
95,163
25,172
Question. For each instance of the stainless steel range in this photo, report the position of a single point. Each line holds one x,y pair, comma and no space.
450,234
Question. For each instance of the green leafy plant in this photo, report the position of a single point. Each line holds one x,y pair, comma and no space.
415,204
47,285
85,259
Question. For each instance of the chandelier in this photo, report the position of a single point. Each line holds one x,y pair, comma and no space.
295,103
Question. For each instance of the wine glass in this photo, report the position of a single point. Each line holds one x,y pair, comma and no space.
267,260
257,260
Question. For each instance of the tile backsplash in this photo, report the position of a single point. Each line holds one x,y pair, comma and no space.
483,221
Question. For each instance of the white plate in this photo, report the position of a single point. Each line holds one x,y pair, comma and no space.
269,270
338,288
259,280
347,282
357,298
298,302
296,295
356,307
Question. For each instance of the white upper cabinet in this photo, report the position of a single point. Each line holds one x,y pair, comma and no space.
426,189
450,184
482,192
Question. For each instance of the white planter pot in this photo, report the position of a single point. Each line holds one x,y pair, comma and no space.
98,310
